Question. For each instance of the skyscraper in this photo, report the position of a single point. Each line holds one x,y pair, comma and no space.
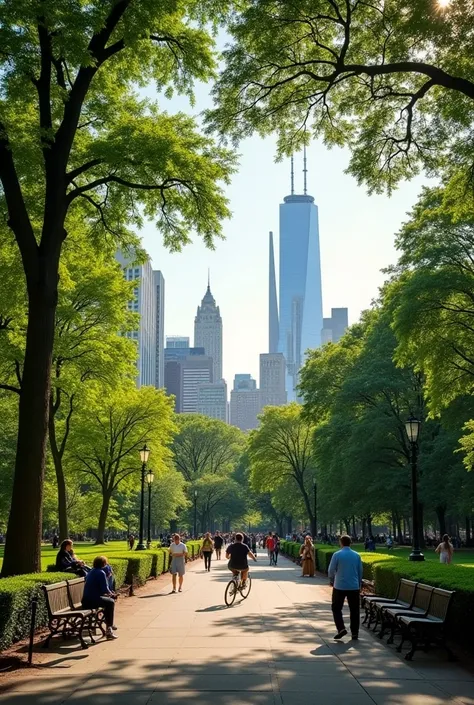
160,329
300,315
208,331
272,379
183,376
245,403
143,303
335,327
272,303
212,400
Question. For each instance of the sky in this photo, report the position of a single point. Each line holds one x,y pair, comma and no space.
356,239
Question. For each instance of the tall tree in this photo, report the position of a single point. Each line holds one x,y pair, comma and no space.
392,79
205,446
109,434
73,130
281,450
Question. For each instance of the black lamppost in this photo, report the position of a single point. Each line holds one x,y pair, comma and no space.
412,427
149,478
195,513
144,455
315,498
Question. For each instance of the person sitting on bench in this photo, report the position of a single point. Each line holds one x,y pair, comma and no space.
97,594
67,561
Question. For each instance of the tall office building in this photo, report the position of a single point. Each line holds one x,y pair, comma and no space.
272,379
208,331
195,370
300,314
160,329
335,326
212,400
245,403
177,341
143,303
183,376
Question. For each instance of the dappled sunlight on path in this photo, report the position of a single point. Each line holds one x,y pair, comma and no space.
275,648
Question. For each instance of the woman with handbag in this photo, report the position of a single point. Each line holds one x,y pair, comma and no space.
206,551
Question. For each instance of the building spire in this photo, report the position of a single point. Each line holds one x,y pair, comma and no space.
208,278
292,176
305,171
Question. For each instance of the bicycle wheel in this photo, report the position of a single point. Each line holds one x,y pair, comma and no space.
230,593
245,592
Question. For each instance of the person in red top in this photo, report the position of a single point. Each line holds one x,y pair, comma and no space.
270,546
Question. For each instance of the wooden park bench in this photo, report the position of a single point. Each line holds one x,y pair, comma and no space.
373,603
430,629
65,612
391,613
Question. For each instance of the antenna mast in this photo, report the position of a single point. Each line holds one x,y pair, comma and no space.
305,171
292,176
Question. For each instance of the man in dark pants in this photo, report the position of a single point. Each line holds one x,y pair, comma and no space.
345,576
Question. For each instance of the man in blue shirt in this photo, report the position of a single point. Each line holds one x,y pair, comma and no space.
345,576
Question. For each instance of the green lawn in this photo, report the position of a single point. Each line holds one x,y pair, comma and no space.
464,556
86,551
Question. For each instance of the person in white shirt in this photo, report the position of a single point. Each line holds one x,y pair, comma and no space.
178,552
445,550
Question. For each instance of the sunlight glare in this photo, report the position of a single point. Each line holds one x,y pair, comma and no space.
443,4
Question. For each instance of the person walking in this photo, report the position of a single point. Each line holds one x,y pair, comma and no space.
218,543
345,577
276,549
178,553
270,546
206,551
445,550
307,558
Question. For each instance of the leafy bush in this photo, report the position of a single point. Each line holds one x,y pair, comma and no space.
119,566
370,560
16,597
139,566
450,577
323,557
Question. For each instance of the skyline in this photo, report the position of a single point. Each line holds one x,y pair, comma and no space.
356,241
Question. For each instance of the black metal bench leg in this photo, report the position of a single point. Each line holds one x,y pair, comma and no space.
414,645
393,627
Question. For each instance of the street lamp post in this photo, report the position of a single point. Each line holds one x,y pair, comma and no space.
144,455
315,527
195,513
412,427
149,478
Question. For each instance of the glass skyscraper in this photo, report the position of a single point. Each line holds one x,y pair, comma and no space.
299,316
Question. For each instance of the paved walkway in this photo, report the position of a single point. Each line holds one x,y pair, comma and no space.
275,648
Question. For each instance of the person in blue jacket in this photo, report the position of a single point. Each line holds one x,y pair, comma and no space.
345,576
98,594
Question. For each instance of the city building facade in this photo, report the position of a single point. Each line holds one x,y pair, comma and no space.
208,332
177,341
160,329
143,303
272,379
245,403
335,326
212,400
195,370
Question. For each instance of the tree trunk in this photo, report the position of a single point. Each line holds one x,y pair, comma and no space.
467,526
290,524
354,530
441,514
23,541
104,510
347,524
61,482
369,524
364,524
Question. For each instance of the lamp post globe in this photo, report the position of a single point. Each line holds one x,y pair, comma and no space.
144,455
412,428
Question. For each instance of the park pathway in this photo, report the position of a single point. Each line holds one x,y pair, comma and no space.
275,648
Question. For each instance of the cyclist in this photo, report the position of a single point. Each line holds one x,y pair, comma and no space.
270,546
238,553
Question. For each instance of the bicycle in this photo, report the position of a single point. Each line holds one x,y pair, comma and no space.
234,586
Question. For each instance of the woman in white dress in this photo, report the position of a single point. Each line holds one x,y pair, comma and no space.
445,550
178,552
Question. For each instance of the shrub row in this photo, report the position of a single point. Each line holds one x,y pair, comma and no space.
17,593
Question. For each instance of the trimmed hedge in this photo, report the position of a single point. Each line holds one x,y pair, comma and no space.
16,596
